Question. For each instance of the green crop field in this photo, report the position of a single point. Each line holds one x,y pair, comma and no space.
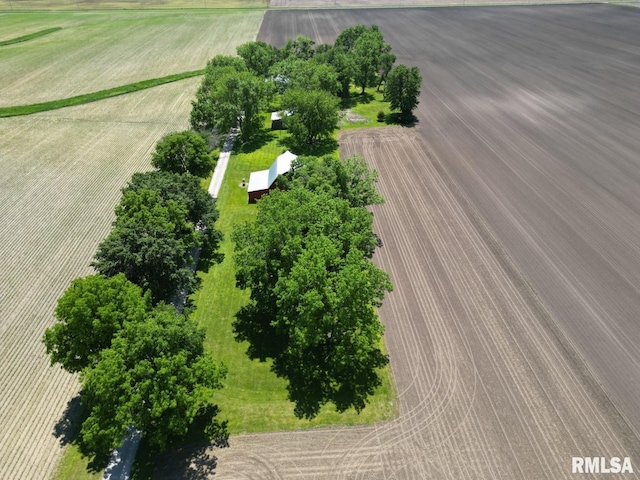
99,50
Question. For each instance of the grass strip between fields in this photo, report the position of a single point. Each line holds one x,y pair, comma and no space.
31,36
95,96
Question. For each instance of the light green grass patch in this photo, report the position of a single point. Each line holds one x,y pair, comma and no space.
362,110
74,466
254,399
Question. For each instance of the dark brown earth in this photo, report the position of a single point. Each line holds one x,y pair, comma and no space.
512,234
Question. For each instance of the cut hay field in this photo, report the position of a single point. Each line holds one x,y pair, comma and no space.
100,50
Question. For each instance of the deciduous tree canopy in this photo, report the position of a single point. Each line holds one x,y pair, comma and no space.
200,207
91,311
402,89
302,258
151,243
258,57
183,152
349,179
315,114
154,377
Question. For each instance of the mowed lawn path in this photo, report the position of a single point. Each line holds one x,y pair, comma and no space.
510,232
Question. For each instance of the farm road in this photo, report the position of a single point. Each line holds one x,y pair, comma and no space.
511,233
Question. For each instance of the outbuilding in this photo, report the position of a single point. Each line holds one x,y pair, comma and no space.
262,181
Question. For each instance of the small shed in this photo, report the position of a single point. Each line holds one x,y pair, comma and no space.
262,181
276,121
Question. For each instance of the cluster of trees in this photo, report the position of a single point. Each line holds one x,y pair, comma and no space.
307,262
308,79
141,359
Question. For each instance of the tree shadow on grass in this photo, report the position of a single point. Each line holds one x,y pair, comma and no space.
67,431
317,149
396,118
256,142
356,99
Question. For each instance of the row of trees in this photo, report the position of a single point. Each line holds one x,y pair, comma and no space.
141,360
306,79
307,262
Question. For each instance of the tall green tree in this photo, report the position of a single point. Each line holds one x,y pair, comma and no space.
151,243
301,259
183,152
236,101
89,314
343,63
402,89
315,115
326,305
202,113
301,48
387,59
258,56
201,210
367,53
312,75
349,178
347,38
155,377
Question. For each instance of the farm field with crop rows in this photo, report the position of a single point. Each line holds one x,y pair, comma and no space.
83,5
510,231
100,50
61,177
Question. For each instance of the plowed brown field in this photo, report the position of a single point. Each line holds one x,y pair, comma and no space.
511,231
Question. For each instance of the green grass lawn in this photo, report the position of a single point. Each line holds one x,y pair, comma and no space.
365,107
254,399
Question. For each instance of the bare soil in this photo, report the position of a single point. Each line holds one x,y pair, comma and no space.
512,234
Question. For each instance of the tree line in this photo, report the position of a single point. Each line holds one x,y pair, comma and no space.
306,79
140,357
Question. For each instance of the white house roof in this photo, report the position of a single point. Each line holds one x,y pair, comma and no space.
263,179
258,181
